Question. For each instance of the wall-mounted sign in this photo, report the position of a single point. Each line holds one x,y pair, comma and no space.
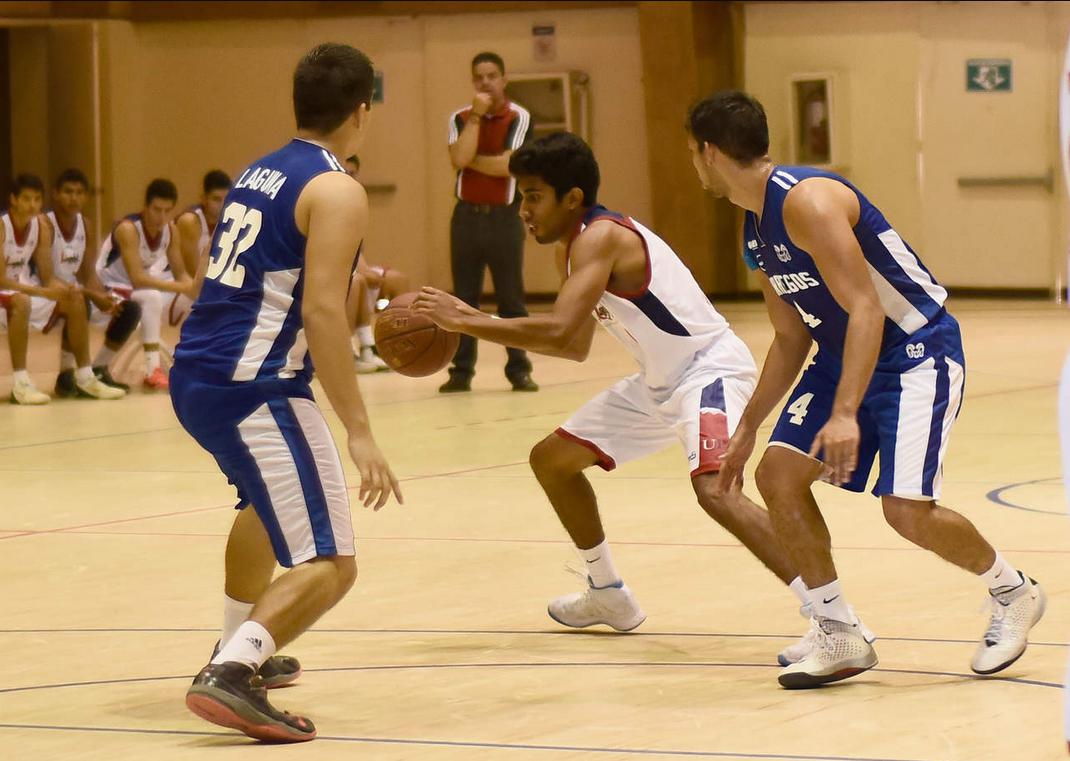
544,42
988,75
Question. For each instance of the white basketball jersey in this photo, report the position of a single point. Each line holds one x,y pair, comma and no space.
17,256
670,320
153,260
206,233
67,255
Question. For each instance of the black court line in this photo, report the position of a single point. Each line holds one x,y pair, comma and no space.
996,495
80,439
472,744
541,665
536,632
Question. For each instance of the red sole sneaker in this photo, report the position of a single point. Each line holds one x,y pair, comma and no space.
215,710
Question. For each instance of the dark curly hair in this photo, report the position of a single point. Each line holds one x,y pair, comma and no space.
561,160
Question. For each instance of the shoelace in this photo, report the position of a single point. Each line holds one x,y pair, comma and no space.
995,625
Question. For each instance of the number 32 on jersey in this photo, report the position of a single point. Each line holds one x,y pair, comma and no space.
243,225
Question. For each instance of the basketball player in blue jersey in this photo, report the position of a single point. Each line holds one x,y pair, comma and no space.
273,302
695,374
888,377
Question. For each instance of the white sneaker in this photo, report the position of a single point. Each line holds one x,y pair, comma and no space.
364,368
94,388
373,359
27,393
613,606
795,652
1015,611
839,651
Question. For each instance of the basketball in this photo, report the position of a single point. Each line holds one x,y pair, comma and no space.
411,343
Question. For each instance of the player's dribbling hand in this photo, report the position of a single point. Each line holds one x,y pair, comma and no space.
377,481
839,439
445,310
740,448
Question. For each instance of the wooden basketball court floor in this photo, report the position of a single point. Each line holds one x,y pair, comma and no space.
112,534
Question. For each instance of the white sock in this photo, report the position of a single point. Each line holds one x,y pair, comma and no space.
600,566
21,377
152,307
1001,574
251,644
67,361
829,602
235,613
152,361
83,375
365,335
799,588
104,357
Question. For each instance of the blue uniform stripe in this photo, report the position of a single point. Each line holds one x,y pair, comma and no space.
659,314
936,427
882,260
315,501
713,396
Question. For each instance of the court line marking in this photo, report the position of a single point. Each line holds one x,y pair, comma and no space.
537,632
542,664
996,496
512,540
73,529
470,744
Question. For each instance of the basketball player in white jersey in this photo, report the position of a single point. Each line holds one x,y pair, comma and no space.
195,227
68,237
141,261
369,283
20,237
695,375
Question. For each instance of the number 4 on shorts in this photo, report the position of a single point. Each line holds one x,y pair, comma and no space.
798,408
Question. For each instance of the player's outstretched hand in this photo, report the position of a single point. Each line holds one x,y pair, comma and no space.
839,439
377,481
740,448
445,310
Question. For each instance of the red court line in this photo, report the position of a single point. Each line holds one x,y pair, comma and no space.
113,522
62,529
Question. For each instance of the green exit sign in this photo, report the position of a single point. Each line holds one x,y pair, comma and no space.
988,75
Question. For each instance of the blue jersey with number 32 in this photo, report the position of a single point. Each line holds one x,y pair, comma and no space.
246,324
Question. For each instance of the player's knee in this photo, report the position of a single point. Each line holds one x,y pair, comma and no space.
907,517
717,506
345,574
20,304
547,461
775,478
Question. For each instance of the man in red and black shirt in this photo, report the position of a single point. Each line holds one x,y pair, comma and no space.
486,230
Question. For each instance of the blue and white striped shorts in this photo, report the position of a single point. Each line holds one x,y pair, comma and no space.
906,414
273,445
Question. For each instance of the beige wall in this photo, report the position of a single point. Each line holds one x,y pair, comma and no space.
872,49
181,98
30,101
911,130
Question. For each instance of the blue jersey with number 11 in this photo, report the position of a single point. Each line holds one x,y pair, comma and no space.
246,324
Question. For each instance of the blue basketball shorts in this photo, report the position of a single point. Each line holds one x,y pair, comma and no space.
906,414
272,443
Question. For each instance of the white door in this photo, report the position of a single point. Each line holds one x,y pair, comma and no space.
986,156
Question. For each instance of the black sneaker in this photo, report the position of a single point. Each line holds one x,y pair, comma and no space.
66,388
277,671
105,377
524,383
455,384
231,695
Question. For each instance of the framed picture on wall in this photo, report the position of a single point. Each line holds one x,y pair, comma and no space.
813,131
